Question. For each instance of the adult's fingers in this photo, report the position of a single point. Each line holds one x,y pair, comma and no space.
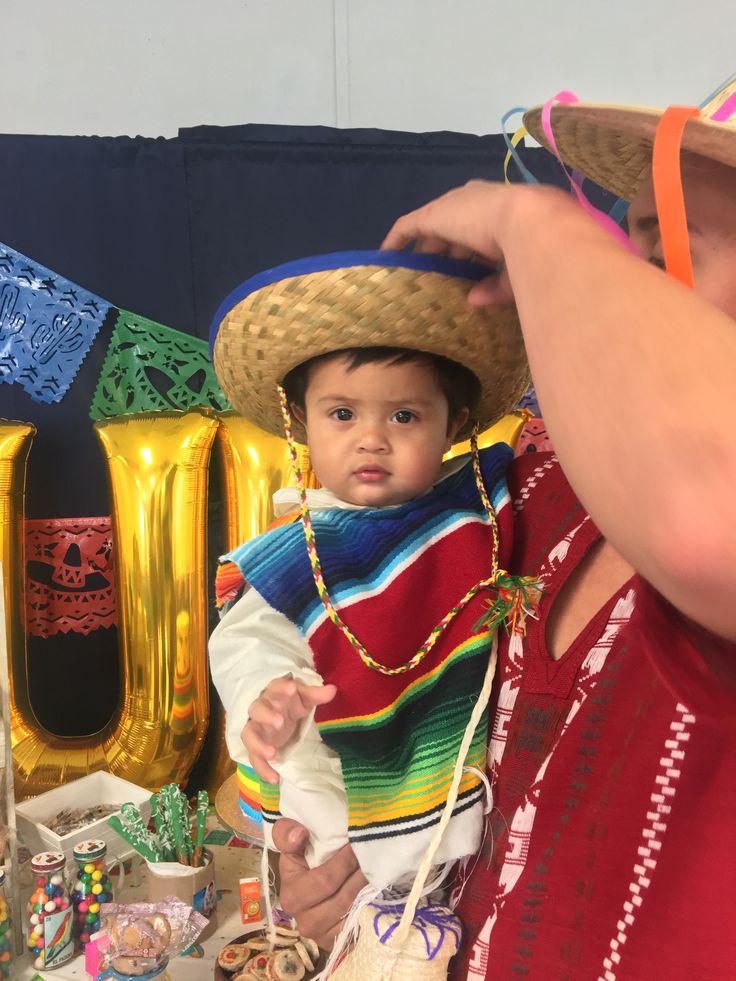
492,291
431,244
290,837
403,231
324,882
317,898
465,218
323,923
460,252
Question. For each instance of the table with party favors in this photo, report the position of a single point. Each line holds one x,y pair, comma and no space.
208,862
232,862
196,909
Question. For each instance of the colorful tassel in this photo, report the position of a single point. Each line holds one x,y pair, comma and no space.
518,597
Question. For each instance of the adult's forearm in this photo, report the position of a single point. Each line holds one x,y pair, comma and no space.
636,377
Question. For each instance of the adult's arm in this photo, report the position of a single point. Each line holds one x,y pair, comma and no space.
635,374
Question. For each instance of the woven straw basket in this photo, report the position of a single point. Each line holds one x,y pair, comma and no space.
371,960
289,314
612,145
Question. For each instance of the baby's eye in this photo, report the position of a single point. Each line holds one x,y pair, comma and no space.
342,414
403,416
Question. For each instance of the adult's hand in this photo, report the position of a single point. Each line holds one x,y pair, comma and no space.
468,221
607,331
317,898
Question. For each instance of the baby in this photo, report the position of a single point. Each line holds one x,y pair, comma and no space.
350,666
378,423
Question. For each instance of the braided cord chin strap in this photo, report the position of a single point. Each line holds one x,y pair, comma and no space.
517,597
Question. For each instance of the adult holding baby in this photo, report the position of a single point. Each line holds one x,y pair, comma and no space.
614,720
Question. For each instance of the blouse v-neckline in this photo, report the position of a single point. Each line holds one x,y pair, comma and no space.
542,673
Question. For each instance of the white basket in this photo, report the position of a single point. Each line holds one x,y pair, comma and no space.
96,788
372,960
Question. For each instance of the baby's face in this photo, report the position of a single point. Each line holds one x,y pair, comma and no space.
377,433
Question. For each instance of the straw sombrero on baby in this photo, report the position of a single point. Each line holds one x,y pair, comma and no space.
291,313
612,144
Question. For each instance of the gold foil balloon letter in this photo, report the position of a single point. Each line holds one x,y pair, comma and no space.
254,465
15,445
158,477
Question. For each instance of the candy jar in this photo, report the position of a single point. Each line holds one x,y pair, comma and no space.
91,888
6,954
49,913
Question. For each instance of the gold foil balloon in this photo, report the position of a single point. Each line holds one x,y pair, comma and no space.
158,477
254,465
15,445
157,466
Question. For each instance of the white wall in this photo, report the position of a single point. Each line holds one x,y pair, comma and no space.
147,67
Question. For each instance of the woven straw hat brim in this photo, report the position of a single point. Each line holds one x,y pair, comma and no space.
612,145
280,325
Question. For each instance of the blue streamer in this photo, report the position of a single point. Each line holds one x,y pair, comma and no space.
47,326
618,211
716,90
515,155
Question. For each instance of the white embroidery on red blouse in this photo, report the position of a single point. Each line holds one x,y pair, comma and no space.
559,553
531,482
522,822
652,835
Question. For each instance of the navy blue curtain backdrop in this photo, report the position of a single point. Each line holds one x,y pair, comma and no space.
166,228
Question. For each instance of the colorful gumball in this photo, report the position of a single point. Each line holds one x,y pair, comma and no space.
91,888
49,917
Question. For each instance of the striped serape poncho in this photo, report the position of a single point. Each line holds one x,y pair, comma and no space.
393,573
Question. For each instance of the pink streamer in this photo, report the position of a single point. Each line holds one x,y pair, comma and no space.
603,219
724,112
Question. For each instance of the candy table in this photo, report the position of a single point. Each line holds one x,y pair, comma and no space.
233,860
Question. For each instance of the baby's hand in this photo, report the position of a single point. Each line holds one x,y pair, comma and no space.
273,719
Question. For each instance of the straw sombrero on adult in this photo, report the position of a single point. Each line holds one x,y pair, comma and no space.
286,315
612,144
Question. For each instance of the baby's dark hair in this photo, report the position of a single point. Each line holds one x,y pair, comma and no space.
457,383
